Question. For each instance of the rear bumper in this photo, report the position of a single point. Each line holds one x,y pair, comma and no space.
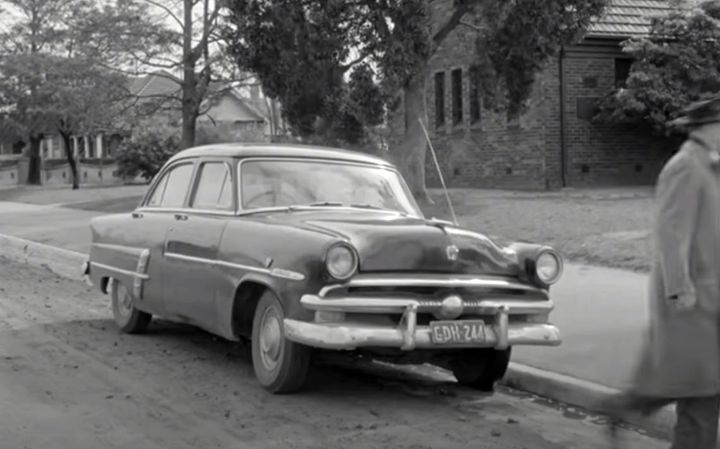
500,333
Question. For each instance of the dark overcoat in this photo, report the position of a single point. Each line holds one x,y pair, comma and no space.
682,356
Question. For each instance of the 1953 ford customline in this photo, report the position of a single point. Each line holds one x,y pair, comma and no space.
298,247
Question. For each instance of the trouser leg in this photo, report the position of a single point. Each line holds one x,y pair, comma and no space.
697,423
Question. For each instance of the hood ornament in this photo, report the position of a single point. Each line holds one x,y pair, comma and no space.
453,252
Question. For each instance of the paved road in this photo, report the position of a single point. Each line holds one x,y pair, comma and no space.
68,379
601,312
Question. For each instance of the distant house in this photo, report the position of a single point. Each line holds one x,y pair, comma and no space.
241,110
236,113
553,144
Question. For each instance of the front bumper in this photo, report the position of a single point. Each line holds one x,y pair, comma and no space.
501,333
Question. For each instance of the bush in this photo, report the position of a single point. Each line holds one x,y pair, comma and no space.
145,152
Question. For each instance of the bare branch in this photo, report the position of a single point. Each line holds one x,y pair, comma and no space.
170,12
473,26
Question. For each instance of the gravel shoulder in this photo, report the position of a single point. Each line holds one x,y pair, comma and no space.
74,382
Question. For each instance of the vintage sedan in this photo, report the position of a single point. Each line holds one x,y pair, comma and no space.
300,249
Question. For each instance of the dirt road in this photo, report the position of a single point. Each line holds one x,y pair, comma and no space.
68,379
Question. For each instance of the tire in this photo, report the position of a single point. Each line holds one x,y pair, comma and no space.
481,368
129,319
281,366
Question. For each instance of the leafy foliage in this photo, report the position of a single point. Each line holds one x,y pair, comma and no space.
147,149
52,78
300,49
520,36
677,63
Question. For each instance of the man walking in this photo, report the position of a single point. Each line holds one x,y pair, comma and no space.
681,362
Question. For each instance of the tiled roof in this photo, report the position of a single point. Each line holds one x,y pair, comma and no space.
628,18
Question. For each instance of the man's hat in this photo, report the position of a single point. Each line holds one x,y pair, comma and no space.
701,112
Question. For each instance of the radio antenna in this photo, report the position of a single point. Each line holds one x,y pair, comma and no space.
437,166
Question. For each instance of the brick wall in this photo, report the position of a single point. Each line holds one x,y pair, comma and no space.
527,152
601,154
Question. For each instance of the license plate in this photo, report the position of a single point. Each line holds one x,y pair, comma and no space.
457,332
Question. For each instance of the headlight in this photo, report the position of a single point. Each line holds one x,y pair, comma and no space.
548,267
341,261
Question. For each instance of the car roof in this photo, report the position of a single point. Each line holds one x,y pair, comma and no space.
245,150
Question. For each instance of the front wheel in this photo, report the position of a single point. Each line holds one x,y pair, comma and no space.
129,319
281,366
481,368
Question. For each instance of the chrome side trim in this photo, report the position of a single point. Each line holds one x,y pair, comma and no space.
275,272
439,281
134,274
141,268
187,210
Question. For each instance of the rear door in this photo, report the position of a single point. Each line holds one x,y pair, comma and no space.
193,280
150,223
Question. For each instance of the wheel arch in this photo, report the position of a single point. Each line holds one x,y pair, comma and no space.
247,295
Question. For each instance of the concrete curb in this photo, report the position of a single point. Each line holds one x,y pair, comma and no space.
582,393
555,386
60,261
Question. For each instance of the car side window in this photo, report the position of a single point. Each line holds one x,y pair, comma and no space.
173,187
214,190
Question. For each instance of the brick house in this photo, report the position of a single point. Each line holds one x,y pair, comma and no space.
553,144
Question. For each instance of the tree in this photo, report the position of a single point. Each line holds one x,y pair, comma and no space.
52,77
302,50
148,148
84,98
677,63
22,69
186,40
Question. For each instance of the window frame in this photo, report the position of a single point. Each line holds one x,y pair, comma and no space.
197,176
241,210
456,96
159,178
475,113
439,89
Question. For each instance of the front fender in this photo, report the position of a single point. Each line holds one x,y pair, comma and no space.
285,259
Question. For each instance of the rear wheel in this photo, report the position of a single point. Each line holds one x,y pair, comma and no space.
281,366
481,368
129,319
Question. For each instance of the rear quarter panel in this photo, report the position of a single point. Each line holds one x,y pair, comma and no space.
117,241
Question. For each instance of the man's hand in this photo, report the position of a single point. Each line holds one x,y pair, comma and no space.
684,301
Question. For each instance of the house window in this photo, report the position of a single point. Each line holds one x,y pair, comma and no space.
474,77
439,99
622,71
457,96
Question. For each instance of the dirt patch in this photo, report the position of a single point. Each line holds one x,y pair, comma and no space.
74,381
597,227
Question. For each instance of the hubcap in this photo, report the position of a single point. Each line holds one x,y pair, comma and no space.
124,301
270,339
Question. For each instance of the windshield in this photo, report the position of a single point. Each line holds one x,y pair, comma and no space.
278,183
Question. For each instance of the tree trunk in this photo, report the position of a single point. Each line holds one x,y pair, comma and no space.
410,154
70,156
34,169
189,119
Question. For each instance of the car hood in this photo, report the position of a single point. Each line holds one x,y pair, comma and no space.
388,242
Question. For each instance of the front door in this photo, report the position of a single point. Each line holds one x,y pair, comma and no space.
192,279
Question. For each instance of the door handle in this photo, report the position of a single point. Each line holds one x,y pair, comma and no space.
181,217
137,215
